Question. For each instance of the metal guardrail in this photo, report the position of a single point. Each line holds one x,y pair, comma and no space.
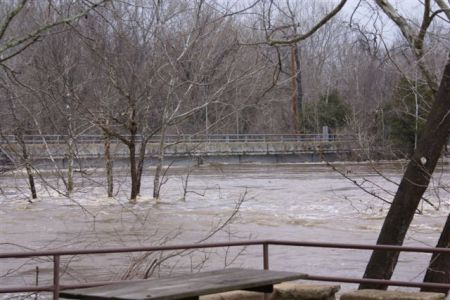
57,286
221,138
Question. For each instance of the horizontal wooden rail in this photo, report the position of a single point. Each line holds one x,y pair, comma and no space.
56,254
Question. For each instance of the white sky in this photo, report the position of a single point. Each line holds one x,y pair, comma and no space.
409,9
364,16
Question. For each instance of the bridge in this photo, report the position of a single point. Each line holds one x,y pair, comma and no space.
231,148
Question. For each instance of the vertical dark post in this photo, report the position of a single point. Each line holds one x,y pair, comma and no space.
36,282
266,256
266,263
56,277
108,162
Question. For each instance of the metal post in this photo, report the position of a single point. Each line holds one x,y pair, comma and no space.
266,263
56,259
266,256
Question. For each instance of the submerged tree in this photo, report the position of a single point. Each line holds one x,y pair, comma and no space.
16,38
19,125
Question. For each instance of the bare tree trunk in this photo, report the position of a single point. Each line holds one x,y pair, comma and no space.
25,156
26,159
70,158
186,183
414,183
109,164
68,83
141,161
134,177
31,181
160,159
159,164
439,267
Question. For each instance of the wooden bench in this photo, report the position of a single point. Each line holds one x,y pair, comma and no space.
189,286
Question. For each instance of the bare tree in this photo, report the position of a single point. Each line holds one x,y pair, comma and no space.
423,162
20,123
429,148
15,39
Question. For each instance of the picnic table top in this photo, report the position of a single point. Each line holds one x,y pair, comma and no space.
188,286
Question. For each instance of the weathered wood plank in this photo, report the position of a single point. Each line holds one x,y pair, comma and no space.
186,286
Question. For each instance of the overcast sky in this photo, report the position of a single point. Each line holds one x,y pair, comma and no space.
410,9
365,15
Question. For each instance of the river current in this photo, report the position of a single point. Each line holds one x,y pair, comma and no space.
306,202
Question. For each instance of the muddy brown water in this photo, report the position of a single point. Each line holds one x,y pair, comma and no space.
289,202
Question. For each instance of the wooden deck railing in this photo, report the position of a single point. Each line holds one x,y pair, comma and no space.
56,255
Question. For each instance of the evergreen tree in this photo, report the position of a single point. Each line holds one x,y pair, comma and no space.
405,115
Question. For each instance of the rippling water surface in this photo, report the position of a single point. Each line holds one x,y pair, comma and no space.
291,202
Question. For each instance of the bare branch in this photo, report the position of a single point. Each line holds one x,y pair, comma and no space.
301,37
414,39
5,24
444,7
33,35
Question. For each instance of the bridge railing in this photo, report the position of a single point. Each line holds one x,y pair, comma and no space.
195,138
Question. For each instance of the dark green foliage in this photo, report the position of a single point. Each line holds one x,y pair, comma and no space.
400,115
331,110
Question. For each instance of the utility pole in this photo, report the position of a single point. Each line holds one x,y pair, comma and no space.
297,92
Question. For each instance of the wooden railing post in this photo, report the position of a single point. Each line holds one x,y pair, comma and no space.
266,256
266,263
56,265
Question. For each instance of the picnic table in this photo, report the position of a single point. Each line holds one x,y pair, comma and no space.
188,286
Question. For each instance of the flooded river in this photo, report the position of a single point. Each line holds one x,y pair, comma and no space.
289,202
